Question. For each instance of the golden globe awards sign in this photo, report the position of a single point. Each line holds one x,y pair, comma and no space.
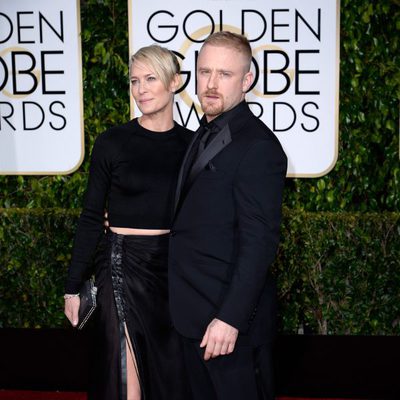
41,124
295,64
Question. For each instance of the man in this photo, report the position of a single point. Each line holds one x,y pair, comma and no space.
225,233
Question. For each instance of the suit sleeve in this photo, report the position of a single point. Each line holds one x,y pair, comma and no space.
258,190
91,221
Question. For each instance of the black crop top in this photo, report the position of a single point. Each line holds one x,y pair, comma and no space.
133,174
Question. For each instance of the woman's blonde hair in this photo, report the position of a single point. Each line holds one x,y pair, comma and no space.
162,61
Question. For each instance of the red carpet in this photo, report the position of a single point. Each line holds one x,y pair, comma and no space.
33,395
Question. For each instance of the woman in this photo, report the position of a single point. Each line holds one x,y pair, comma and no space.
133,174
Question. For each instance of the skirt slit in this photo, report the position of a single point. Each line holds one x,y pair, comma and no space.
120,302
133,316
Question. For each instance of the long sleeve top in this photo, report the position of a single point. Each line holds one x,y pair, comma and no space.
133,174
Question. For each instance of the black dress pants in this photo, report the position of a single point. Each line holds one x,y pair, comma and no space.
245,374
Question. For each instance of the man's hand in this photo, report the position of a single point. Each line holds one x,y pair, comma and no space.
71,309
219,339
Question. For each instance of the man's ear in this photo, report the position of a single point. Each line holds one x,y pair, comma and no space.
247,81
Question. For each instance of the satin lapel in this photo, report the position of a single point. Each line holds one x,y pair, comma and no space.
183,167
220,141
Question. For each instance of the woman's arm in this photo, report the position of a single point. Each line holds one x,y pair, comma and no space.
90,224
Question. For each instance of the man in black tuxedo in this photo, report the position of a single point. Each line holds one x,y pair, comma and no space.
225,233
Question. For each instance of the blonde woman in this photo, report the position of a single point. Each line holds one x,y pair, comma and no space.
133,174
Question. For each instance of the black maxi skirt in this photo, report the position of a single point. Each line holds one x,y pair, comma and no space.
131,276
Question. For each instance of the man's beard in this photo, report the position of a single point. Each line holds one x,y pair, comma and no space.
212,108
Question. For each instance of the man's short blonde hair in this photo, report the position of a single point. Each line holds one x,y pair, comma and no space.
162,61
231,40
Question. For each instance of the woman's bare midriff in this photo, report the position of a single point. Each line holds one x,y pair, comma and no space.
135,231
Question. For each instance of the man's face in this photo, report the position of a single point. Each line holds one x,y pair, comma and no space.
222,79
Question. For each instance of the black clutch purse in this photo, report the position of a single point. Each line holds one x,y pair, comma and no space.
87,305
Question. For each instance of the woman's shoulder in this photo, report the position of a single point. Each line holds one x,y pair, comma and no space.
109,142
116,135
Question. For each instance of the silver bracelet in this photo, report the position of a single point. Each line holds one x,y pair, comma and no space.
70,296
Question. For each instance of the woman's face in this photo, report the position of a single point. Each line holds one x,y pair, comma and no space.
149,92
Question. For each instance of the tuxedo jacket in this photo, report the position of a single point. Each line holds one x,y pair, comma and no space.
226,230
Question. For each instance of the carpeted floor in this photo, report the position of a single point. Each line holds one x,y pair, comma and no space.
33,395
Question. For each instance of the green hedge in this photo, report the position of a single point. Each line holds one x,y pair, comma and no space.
338,273
35,249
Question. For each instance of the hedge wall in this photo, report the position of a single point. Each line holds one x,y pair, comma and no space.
338,263
338,273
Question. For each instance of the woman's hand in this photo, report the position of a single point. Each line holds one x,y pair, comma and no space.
71,309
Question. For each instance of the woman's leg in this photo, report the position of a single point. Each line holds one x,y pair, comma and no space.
133,384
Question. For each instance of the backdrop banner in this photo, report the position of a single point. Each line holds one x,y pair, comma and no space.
295,64
41,118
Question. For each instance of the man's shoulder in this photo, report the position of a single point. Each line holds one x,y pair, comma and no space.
255,134
252,127
255,129
259,126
